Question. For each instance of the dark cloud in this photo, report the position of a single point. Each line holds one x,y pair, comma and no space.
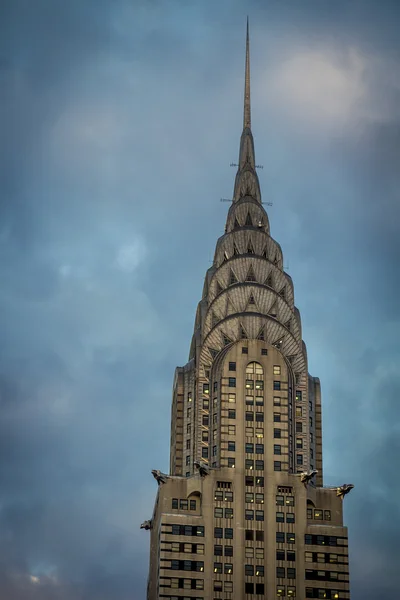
119,121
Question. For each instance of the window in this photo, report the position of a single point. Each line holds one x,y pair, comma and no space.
259,432
333,558
260,417
217,567
228,568
249,431
310,421
259,384
309,513
228,513
249,497
189,412
299,459
232,366
320,557
249,448
206,403
259,536
291,556
318,514
249,515
309,557
298,396
188,459
260,553
232,429
280,517
231,463
229,496
249,385
277,370
277,418
327,515
249,588
217,586
249,552
299,427
280,590
218,495
289,517
264,351
245,350
280,500
218,513
249,463
204,452
249,535
310,404
214,451
249,480
277,465
280,571
289,501
280,555
231,397
259,498
290,538
299,411
228,533
228,586
249,401
291,591
259,465
183,504
231,414
204,436
174,502
260,481
260,588
311,438
228,550
259,401
232,382
218,532
277,401
299,443
277,385
248,570
259,515
277,433
280,537
206,388
188,428
205,420
249,416
215,386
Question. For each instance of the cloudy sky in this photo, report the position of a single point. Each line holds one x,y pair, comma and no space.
118,122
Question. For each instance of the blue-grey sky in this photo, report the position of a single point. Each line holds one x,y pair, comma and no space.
118,121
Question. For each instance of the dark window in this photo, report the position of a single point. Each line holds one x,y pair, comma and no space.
259,448
260,417
187,444
231,446
259,515
214,451
291,573
217,567
204,452
249,416
249,535
248,570
327,515
280,571
249,587
192,504
205,420
249,515
228,513
277,418
228,533
291,556
260,481
249,448
259,401
280,537
217,586
264,351
245,350
280,517
260,588
277,449
228,550
228,568
280,500
183,504
289,517
188,460
249,480
259,465
277,433
232,382
277,385
174,502
299,427
280,555
308,539
218,550
259,536
277,465
232,366
206,405
299,459
218,512
218,532
231,414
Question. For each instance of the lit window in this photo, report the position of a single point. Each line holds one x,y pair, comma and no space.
260,481
231,397
260,433
277,401
205,420
320,557
260,570
318,514
228,496
309,557
291,591
260,498
206,404
228,586
249,384
289,501
206,388
299,411
232,429
280,590
299,443
249,401
259,401
249,497
259,385
218,568
260,553
249,464
298,396
277,370
228,568
249,431
290,538
249,552
229,513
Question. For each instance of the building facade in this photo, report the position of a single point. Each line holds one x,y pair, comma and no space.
243,513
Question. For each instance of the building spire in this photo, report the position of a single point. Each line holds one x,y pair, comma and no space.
247,108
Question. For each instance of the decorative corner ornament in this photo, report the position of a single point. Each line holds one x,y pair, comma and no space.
307,476
147,525
159,477
343,490
202,468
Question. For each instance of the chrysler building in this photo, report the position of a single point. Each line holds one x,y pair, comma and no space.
243,513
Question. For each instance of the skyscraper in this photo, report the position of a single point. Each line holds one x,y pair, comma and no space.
243,513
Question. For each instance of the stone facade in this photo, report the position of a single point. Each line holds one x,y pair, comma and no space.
244,406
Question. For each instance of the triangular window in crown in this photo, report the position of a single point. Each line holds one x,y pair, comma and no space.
250,274
232,278
226,340
242,332
219,288
226,256
282,293
235,250
250,248
269,281
249,222
213,352
214,319
261,335
276,262
260,223
251,299
273,312
278,343
236,224
288,324
265,253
